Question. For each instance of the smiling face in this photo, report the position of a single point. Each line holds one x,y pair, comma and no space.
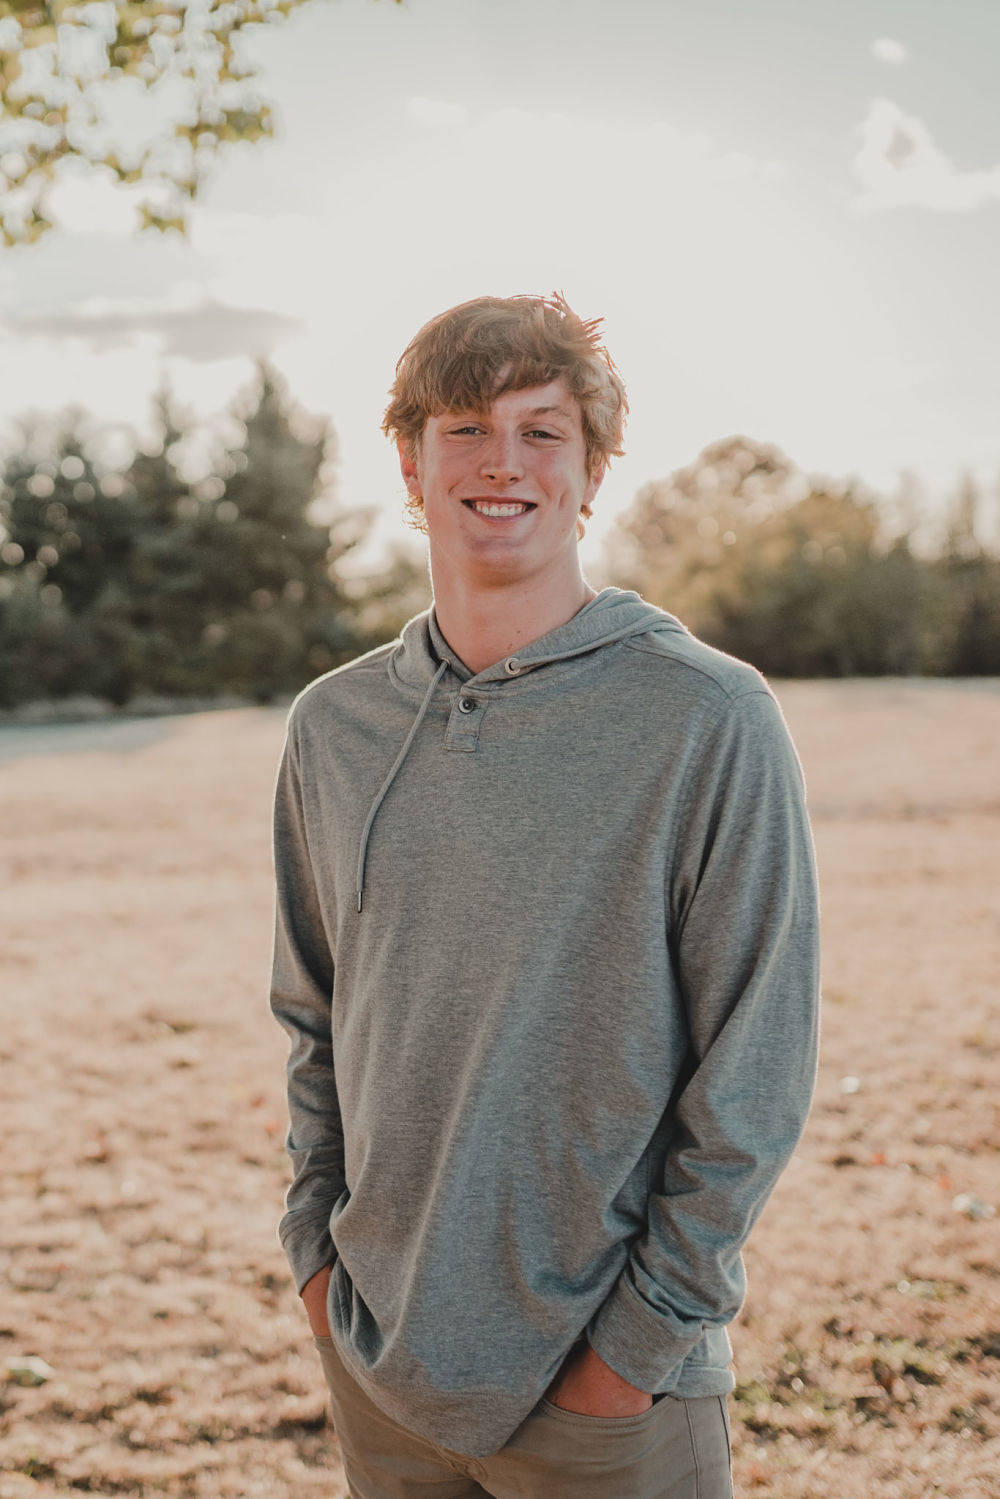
502,490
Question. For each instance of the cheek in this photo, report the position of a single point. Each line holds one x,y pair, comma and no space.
564,482
444,473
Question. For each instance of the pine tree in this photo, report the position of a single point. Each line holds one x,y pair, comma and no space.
114,583
270,611
63,527
64,626
164,576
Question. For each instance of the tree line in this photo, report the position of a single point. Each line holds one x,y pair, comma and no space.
808,577
124,582
116,583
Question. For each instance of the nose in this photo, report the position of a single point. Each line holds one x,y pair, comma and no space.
500,461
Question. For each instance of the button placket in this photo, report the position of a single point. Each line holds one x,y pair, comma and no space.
464,722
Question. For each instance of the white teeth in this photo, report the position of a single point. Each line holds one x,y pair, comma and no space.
486,508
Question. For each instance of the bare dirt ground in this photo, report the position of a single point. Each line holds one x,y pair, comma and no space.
143,1121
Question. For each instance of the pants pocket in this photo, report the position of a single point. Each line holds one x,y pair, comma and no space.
600,1423
723,1403
558,1454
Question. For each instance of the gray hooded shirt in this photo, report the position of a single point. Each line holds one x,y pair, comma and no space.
546,947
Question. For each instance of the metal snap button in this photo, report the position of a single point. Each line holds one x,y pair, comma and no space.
467,704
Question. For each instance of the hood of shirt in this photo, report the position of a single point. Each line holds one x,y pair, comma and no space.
423,656
614,614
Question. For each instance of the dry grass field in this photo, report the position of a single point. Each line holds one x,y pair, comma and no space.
143,1119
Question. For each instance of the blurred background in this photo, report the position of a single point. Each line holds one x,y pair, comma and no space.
222,221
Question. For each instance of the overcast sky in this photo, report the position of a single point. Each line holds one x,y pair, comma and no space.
787,213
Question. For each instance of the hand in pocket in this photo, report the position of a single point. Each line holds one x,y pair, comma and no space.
587,1386
313,1295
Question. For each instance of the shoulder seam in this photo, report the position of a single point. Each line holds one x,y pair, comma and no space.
370,661
730,693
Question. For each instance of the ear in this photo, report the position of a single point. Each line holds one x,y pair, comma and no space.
408,450
596,478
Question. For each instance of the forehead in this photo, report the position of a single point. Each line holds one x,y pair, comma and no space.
553,400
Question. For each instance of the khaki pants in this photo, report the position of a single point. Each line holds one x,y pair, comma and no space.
678,1449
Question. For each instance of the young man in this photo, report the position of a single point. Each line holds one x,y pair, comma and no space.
546,947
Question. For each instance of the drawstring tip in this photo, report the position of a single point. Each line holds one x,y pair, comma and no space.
359,900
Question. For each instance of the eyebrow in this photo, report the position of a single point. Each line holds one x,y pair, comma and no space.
534,411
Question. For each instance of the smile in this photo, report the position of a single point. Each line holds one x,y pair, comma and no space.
499,509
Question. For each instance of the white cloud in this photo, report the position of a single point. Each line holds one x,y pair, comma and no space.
899,166
887,49
187,325
436,112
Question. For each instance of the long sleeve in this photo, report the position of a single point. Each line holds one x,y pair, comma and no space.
300,998
743,927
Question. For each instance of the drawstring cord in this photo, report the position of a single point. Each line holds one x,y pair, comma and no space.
389,778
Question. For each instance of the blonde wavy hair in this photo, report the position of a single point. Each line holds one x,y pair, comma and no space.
467,356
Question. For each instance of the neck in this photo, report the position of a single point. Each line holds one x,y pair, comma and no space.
483,625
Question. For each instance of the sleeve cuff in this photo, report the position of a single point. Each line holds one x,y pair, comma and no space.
644,1346
308,1248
